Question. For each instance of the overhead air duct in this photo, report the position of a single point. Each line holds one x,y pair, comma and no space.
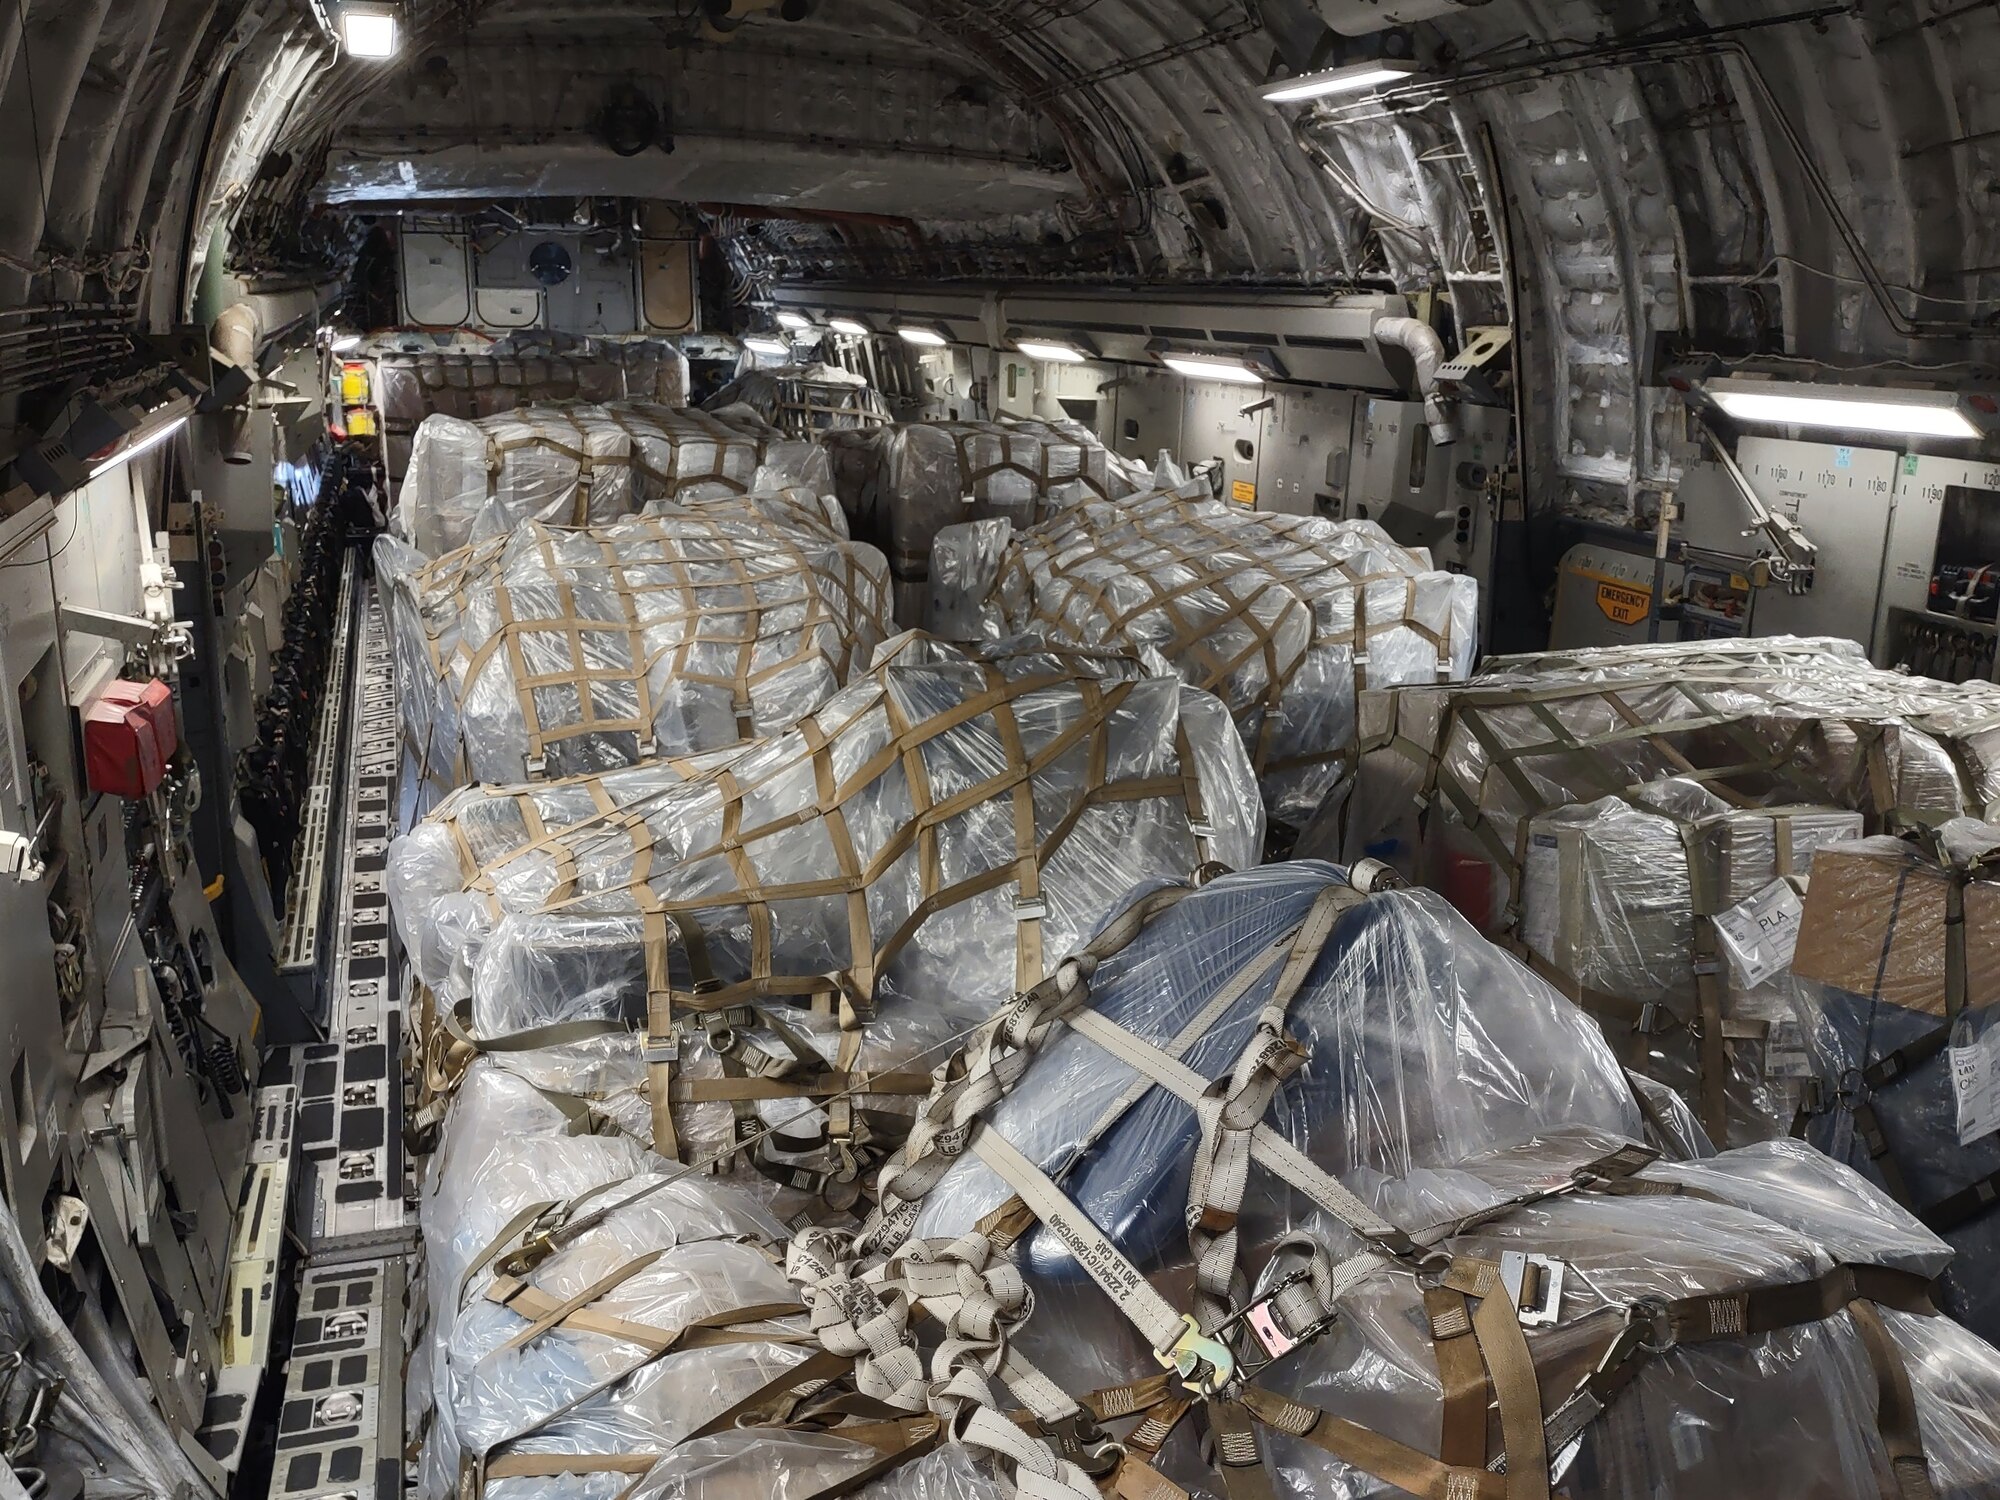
235,337
1420,341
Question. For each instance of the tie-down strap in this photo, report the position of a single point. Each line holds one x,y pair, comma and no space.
1648,1330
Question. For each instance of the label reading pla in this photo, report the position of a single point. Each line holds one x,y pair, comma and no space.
1760,935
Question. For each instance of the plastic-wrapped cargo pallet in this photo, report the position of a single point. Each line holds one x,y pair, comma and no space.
1616,897
903,484
832,902
802,400
579,464
592,1309
1445,1153
1639,760
554,652
409,386
1897,975
1408,1241
1286,618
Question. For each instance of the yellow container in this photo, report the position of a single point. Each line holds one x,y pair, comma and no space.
360,422
354,385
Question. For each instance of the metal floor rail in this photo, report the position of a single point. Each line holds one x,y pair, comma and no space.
340,1430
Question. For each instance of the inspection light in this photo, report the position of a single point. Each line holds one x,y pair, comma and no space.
368,29
1054,353
925,338
1212,367
1785,403
151,440
1353,79
852,327
798,322
345,342
764,343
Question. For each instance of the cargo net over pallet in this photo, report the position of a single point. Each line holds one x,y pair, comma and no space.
1897,975
578,464
798,929
1273,1187
902,485
803,400
1286,618
408,388
553,652
1605,810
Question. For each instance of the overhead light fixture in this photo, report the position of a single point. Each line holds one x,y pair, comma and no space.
765,343
1212,367
1353,79
1785,403
853,327
132,450
1051,351
346,342
922,336
798,322
369,29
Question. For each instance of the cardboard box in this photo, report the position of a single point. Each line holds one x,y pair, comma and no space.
1875,925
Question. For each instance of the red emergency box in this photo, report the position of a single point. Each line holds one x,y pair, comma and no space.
129,735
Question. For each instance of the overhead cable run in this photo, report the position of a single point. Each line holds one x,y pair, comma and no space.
1213,36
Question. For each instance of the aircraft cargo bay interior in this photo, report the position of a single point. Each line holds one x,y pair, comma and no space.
967,749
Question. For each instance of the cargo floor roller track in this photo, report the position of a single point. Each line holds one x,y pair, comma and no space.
340,1422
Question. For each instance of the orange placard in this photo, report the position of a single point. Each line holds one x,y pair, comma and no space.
1622,604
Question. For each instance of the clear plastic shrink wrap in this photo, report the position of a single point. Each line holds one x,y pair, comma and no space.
1891,1014
1613,894
1458,782
576,464
1285,618
840,899
802,400
1399,1110
578,1374
409,385
553,652
902,485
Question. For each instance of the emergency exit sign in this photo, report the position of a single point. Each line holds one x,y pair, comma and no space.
1622,604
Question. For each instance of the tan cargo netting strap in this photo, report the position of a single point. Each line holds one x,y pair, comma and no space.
805,407
1593,766
929,814
670,925
1592,763
1047,443
558,700
1487,1364
1144,546
655,426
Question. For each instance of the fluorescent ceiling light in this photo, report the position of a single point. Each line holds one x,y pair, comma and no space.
1349,80
798,321
852,327
1061,354
150,440
764,343
346,342
1845,408
928,338
368,30
1212,367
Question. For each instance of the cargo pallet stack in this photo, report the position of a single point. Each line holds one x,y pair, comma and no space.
916,1087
